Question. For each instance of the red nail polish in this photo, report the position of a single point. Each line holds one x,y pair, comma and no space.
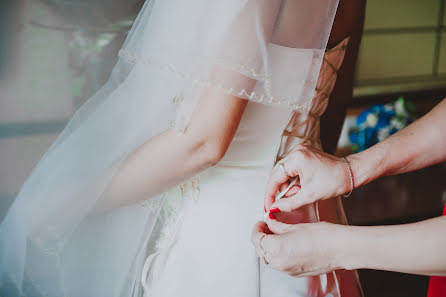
274,210
264,208
271,216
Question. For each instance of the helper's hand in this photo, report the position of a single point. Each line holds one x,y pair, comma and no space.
298,250
321,176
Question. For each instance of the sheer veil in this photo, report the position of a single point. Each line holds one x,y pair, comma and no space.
51,242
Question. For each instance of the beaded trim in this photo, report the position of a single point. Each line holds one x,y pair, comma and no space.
252,96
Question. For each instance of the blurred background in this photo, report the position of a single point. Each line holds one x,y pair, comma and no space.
55,53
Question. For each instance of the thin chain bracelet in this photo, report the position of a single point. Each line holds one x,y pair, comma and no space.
351,176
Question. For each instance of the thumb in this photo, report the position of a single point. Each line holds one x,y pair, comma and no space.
278,227
293,202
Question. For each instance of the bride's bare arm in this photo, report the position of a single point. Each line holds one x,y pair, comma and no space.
171,157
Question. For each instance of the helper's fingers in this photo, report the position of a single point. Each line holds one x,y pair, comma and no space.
257,235
284,186
276,179
258,232
292,191
269,246
279,227
263,242
292,203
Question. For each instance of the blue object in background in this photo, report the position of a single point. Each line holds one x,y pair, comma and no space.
379,122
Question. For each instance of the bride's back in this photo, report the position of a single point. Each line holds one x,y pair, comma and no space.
258,137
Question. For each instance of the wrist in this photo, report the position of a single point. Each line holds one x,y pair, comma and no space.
347,247
359,170
370,164
349,182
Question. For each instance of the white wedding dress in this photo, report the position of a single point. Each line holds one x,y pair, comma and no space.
205,246
194,240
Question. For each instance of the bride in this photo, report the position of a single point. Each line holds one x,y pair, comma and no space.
152,188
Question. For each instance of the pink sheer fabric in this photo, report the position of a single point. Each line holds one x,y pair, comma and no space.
304,128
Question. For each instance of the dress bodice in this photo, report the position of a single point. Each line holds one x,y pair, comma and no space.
305,127
258,136
267,133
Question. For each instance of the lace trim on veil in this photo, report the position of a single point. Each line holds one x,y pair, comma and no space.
243,93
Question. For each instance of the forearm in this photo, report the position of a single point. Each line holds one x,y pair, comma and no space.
162,162
172,156
419,145
416,248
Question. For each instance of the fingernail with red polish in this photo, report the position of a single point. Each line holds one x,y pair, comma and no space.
264,208
271,216
274,210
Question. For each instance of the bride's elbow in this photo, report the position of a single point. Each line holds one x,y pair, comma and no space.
207,149
212,153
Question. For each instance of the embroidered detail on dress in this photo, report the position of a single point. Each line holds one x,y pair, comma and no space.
151,204
171,217
177,99
191,189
